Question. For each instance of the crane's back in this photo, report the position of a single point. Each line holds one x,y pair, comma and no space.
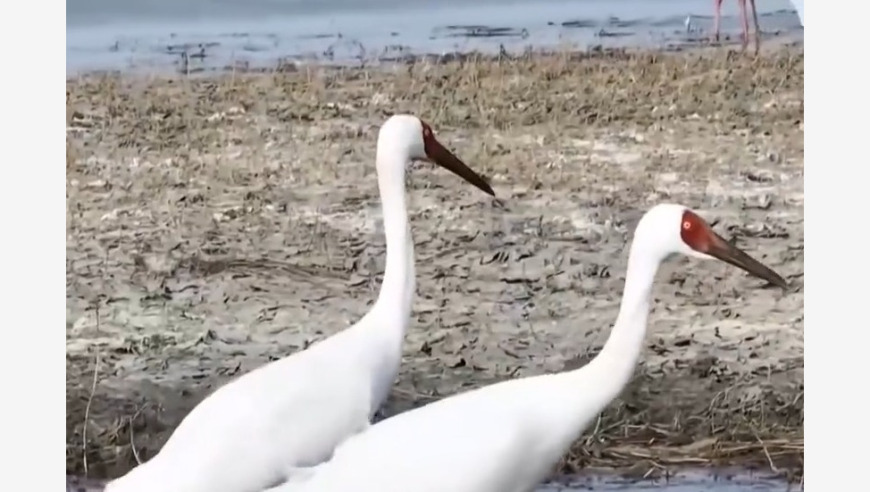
501,438
249,433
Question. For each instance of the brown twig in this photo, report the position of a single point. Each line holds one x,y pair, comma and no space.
88,409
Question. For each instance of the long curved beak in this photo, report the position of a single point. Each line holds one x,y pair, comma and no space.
444,158
727,252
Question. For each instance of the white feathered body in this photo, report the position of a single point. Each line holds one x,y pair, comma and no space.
276,423
501,438
507,437
255,431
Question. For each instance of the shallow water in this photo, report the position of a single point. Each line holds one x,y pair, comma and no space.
213,34
733,480
684,481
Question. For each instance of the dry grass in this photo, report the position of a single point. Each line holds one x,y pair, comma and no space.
193,167
568,90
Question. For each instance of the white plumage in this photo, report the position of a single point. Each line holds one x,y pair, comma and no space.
270,424
507,437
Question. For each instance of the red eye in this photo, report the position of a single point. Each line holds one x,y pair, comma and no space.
427,130
695,232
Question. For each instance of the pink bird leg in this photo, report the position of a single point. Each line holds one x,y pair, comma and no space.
744,21
717,13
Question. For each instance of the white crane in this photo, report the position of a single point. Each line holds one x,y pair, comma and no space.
259,429
506,437
744,21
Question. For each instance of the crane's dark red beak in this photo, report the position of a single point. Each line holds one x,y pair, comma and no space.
721,249
444,158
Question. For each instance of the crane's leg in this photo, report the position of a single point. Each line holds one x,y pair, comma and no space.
744,22
757,30
717,13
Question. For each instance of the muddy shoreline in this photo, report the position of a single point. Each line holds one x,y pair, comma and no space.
216,222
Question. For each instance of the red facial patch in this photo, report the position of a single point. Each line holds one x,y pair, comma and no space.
695,232
427,130
428,136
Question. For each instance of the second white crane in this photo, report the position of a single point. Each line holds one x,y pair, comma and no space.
506,437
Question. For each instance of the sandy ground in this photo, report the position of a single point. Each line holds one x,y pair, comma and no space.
216,223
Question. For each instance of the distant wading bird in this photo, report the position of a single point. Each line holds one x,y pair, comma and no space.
257,431
744,21
506,437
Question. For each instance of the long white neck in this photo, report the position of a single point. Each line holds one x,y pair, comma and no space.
393,306
613,367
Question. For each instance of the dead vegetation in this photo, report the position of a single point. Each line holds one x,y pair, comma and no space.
211,220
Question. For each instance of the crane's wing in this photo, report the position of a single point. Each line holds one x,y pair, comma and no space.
296,477
460,444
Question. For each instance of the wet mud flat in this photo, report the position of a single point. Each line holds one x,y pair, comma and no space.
217,222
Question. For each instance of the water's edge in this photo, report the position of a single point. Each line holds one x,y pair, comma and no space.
371,37
687,480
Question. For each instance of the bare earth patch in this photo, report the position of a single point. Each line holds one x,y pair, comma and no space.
216,223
